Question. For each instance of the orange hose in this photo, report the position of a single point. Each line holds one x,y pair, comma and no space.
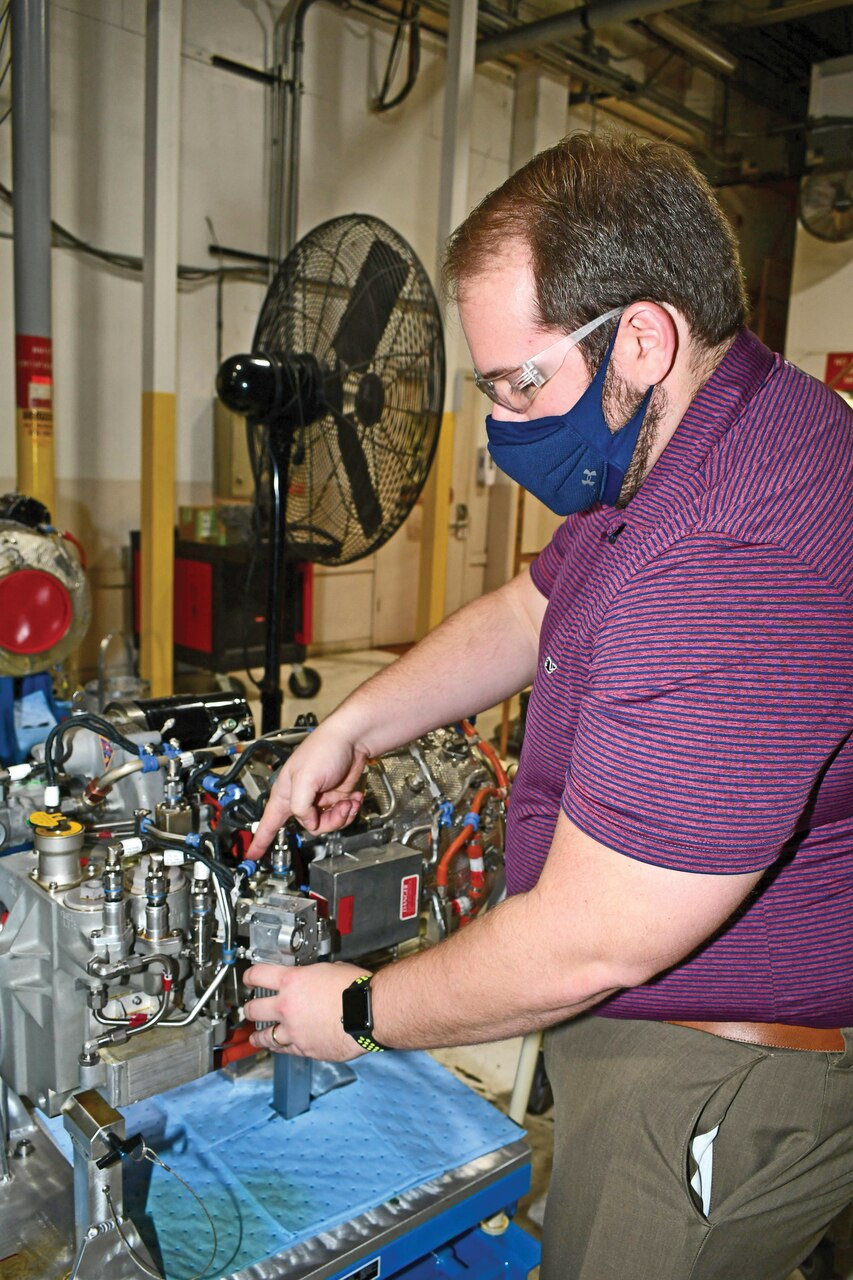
488,751
78,545
441,871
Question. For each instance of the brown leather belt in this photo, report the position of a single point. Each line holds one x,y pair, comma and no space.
773,1035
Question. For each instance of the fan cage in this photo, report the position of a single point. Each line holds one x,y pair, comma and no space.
389,396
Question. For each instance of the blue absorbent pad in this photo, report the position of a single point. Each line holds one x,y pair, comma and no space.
269,1183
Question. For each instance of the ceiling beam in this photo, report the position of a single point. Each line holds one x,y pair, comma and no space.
574,22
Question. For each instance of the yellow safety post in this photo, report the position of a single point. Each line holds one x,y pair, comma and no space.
435,531
159,343
157,540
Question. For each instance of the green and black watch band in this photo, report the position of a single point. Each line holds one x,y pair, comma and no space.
357,1015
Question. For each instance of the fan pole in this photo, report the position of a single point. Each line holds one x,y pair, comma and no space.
279,441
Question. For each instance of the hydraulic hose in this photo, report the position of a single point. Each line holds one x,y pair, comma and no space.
170,977
469,830
488,751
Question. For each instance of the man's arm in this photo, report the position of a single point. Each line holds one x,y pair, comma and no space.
596,922
475,658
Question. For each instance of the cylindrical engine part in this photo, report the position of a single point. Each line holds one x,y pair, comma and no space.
176,817
192,719
201,917
156,907
58,850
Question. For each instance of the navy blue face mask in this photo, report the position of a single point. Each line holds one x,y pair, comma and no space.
569,460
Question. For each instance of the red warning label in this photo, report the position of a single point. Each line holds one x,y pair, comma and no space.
33,372
409,897
839,370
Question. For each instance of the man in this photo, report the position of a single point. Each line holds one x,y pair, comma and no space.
680,838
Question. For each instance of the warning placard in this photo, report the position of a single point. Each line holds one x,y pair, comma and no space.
36,423
839,370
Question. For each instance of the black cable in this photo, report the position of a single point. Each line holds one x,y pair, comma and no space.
410,20
87,720
166,840
276,748
256,465
126,262
204,765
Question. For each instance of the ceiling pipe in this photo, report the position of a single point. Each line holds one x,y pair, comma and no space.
748,17
694,43
576,22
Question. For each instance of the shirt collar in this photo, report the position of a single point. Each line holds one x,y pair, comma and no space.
715,408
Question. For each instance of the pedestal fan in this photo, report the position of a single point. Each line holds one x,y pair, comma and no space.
342,393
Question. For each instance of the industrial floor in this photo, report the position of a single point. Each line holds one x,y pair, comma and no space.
489,1069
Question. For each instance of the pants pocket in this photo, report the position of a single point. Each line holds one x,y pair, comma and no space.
700,1148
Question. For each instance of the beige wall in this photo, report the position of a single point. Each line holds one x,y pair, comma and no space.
820,320
352,160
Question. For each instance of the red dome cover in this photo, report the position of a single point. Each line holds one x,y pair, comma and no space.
35,611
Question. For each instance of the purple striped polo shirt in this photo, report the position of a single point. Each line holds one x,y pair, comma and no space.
693,703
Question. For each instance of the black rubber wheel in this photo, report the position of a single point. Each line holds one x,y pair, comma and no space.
304,682
541,1094
820,1264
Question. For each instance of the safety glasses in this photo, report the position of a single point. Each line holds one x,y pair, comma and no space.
517,389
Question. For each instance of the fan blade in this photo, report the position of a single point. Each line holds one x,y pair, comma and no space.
364,496
380,282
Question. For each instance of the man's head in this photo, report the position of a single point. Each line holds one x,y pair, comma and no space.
605,221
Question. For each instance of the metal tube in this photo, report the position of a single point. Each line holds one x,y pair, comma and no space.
31,205
5,1175
279,127
573,23
159,328
271,696
694,43
525,1072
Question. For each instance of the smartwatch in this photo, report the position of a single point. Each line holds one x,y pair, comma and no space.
357,1016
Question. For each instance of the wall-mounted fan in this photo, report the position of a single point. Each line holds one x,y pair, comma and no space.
343,393
826,204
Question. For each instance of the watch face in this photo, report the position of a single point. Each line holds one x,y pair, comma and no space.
356,1009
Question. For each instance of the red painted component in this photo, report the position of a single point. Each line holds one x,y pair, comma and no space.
137,1019
35,611
194,597
346,908
237,1045
305,634
33,366
409,897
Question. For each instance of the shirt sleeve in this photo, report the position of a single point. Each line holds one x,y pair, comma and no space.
545,568
719,692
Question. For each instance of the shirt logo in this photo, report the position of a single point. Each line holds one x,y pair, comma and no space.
588,476
550,665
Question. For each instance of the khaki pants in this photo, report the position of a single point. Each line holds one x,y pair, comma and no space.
631,1099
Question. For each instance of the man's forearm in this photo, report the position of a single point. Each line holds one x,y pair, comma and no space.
498,978
483,653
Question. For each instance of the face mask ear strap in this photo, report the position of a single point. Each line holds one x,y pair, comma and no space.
623,445
601,371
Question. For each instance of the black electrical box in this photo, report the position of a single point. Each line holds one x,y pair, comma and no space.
220,605
371,897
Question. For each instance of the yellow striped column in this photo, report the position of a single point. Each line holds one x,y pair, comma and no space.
435,531
159,342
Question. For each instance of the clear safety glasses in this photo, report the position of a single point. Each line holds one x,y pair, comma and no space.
517,389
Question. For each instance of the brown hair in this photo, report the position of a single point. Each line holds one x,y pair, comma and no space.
610,219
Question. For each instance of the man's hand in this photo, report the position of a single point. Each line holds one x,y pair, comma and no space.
316,786
305,1010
